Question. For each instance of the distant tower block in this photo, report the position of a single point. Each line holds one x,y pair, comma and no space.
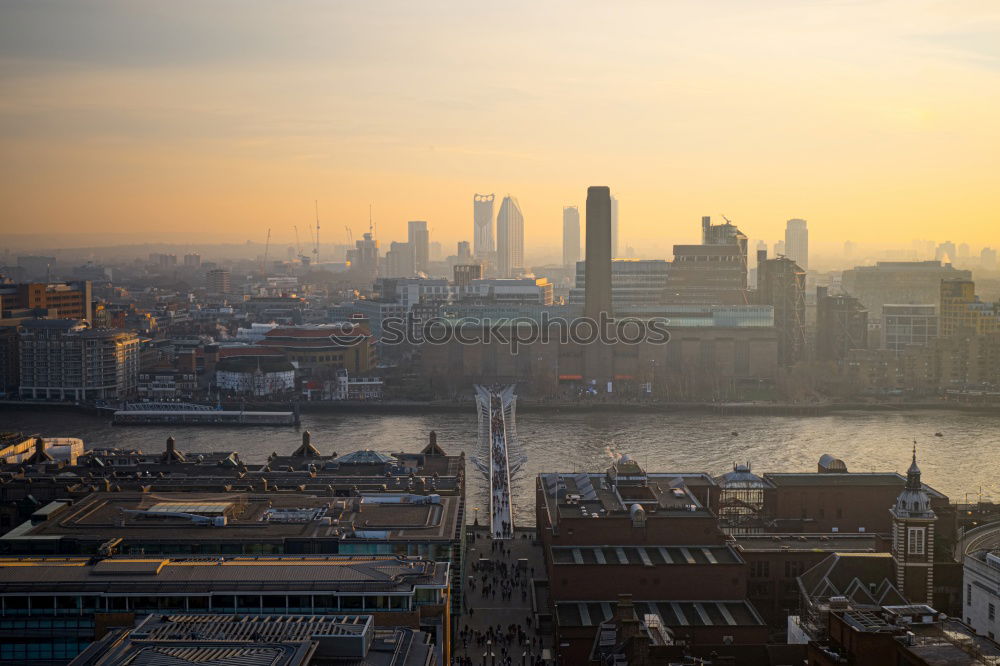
482,225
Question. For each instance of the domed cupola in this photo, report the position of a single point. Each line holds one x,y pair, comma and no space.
913,501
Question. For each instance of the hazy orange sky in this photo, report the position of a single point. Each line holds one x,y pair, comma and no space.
878,121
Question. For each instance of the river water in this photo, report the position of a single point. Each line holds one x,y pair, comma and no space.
966,459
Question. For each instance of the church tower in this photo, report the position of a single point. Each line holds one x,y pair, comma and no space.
913,539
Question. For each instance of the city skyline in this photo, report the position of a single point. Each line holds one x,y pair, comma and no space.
110,125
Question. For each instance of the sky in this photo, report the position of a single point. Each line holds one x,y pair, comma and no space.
877,121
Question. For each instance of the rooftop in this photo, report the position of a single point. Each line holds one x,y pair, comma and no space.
675,614
243,517
334,572
258,640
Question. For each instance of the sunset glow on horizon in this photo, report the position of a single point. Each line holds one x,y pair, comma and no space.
875,120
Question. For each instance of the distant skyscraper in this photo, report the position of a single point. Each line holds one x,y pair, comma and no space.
482,231
597,281
946,252
614,227
399,260
571,236
781,283
510,238
779,249
988,258
419,241
797,242
464,252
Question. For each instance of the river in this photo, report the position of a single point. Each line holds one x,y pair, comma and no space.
964,460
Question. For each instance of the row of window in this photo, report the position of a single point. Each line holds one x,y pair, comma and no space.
224,603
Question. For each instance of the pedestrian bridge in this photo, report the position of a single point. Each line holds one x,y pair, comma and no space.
496,455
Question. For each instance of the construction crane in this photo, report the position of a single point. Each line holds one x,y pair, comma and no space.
303,259
267,246
350,236
316,248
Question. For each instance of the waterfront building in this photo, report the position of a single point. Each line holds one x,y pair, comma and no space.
255,374
841,325
899,282
781,283
713,273
318,348
165,383
63,359
904,325
636,284
961,310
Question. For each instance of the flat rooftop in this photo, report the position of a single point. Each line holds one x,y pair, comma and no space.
363,573
673,614
846,542
247,517
891,479
598,495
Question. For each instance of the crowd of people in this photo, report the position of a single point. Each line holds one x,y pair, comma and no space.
500,500
502,578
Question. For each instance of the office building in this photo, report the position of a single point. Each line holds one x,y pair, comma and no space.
218,281
464,274
597,275
797,242
510,238
713,273
899,282
399,260
841,325
571,236
64,359
192,260
636,285
781,283
482,224
961,310
364,258
67,300
418,239
905,325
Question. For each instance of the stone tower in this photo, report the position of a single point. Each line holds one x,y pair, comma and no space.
913,539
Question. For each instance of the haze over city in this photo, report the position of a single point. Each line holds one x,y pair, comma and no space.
874,120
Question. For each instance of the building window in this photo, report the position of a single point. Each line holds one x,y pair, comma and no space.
968,594
992,612
915,540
